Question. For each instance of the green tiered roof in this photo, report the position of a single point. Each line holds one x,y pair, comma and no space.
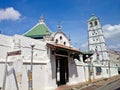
39,30
93,18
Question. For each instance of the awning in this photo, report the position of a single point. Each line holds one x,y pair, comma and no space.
59,46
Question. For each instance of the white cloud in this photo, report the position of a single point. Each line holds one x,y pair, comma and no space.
112,35
111,31
9,14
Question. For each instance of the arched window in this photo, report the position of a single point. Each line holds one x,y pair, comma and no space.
60,37
96,23
64,43
97,39
91,25
56,41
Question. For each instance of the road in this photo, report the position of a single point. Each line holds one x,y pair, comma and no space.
112,83
111,86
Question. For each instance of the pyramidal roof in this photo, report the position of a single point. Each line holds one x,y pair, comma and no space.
39,30
93,18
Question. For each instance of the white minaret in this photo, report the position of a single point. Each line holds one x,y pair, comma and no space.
96,40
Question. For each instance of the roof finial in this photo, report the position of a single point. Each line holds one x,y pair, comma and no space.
69,37
41,19
59,27
93,14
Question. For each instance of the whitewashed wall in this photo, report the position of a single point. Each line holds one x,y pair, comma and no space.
51,73
113,71
2,65
44,68
5,46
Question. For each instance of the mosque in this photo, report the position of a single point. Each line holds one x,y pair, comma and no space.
43,60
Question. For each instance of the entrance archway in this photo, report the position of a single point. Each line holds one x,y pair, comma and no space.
61,70
62,53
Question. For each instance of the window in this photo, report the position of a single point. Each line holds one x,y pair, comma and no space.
56,41
91,25
96,23
107,71
60,37
97,39
98,70
64,43
96,47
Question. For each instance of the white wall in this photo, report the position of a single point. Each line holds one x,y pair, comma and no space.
113,71
5,46
44,66
2,65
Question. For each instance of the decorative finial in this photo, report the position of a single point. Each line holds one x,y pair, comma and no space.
41,19
93,14
59,27
69,37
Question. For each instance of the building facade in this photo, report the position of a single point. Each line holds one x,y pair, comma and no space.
96,44
50,63
96,40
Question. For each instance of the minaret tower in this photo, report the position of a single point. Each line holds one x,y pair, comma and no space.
96,41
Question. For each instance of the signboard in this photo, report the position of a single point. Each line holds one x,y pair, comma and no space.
14,53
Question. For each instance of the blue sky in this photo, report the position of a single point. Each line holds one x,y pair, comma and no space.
18,16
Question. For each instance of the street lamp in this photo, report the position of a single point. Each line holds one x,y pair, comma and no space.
31,69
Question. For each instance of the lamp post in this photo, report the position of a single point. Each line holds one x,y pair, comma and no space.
31,67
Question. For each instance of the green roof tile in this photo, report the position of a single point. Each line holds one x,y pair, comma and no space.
38,31
93,18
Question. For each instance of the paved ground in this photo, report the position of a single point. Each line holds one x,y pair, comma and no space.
115,85
96,84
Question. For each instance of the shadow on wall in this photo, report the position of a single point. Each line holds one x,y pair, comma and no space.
72,68
53,67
